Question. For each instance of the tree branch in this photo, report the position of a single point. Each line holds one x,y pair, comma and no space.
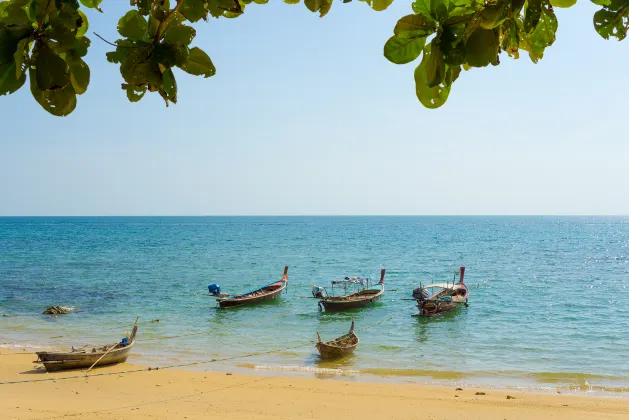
163,23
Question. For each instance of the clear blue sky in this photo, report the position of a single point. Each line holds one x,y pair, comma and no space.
306,116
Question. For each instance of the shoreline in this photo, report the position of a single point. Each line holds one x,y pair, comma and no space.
513,381
107,393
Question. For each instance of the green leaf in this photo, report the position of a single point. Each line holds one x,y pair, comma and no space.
452,46
544,33
82,30
20,56
9,81
37,9
563,3
321,6
494,15
199,63
79,47
138,68
439,9
171,54
132,25
92,4
481,47
52,70
194,10
422,7
179,34
59,102
610,24
435,66
134,93
532,14
79,75
516,7
430,97
452,74
403,50
413,26
15,13
602,2
170,86
378,5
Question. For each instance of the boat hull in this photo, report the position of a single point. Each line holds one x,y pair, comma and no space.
56,361
251,300
333,352
332,305
430,308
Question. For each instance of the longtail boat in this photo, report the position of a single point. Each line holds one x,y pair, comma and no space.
265,293
338,347
361,298
447,297
80,358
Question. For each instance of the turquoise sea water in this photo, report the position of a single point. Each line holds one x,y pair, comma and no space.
548,307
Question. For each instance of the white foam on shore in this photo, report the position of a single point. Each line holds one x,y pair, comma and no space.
309,369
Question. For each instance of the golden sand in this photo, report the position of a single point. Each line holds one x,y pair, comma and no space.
180,394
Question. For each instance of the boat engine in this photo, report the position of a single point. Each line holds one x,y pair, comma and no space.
319,292
214,289
420,294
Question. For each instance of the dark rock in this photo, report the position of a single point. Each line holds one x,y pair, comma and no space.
58,310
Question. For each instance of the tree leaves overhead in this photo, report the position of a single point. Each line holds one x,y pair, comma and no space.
44,40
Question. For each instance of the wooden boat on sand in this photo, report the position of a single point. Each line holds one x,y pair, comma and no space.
81,358
265,293
446,298
338,347
359,299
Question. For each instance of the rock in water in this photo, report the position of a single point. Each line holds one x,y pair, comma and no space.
58,310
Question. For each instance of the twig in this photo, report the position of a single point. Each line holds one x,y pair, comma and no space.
117,45
110,43
163,23
43,18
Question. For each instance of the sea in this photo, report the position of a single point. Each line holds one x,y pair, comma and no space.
548,305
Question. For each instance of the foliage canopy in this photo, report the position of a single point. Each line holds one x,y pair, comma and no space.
46,39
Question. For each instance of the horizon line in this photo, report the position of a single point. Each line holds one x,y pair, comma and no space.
319,215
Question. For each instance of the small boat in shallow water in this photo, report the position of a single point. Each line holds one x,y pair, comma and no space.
359,299
265,293
446,298
108,354
339,347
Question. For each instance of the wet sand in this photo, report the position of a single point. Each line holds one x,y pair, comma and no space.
181,394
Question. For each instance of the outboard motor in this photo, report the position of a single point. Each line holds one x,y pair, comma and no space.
420,294
214,289
319,292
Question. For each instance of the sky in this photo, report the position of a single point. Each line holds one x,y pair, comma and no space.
306,117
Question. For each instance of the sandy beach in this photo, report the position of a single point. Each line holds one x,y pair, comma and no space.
182,394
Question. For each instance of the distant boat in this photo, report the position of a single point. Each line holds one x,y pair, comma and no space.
338,347
446,298
364,297
109,354
265,293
